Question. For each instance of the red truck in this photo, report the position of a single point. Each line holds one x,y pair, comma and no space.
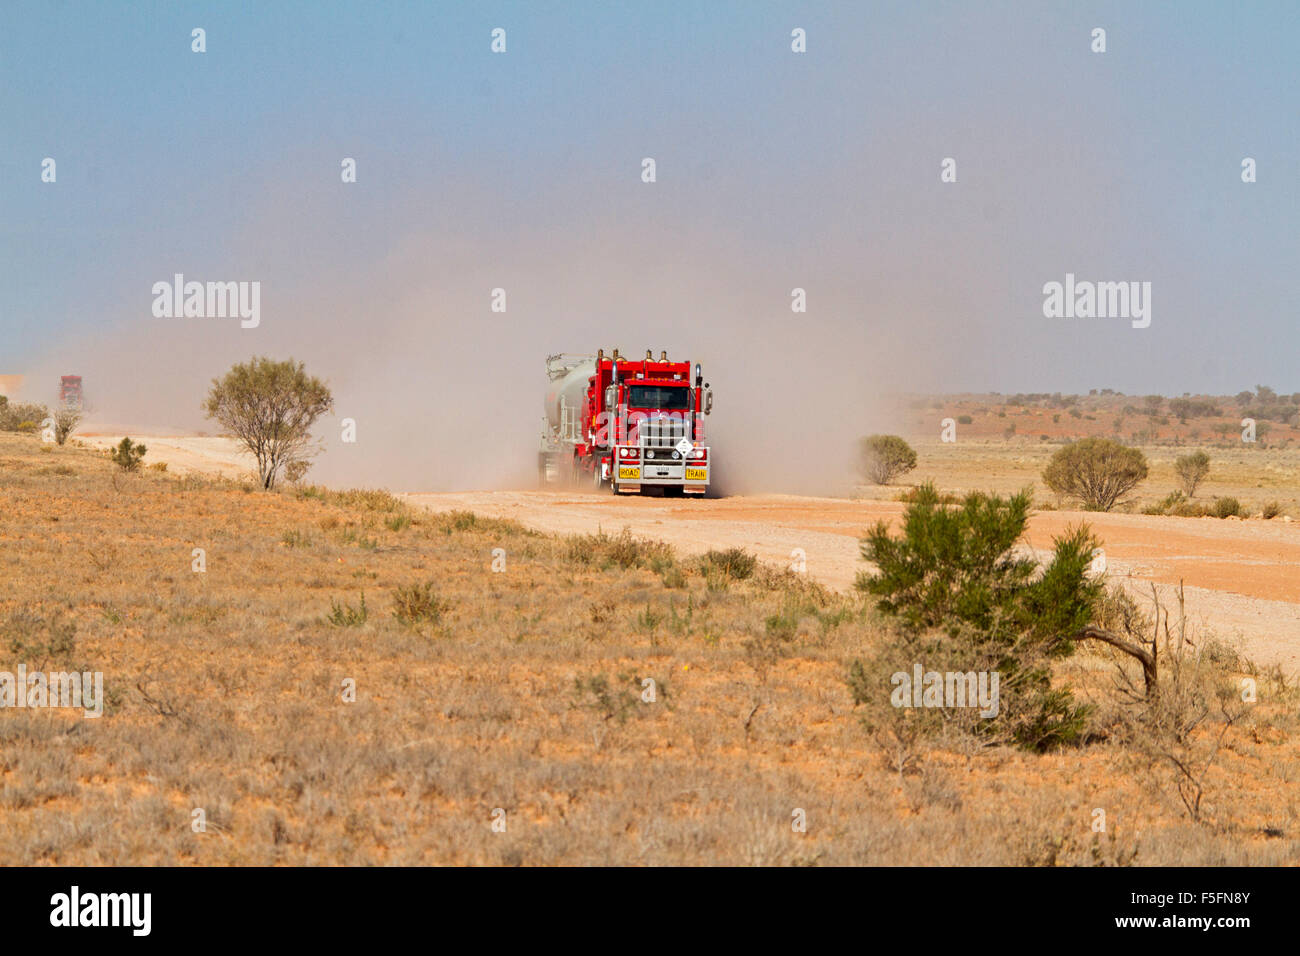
626,424
70,391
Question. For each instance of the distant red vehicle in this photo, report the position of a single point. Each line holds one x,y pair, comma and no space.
70,390
626,424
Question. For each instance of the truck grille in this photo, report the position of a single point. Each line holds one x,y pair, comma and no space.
662,433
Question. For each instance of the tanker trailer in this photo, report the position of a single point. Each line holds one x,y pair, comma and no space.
568,378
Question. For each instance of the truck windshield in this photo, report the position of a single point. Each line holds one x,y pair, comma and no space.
670,397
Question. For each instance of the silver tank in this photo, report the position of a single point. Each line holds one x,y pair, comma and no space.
568,389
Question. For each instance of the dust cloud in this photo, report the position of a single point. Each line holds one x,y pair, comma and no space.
447,395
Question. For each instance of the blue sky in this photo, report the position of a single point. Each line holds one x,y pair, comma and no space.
776,170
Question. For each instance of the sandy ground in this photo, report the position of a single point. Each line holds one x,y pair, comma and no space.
205,454
1242,578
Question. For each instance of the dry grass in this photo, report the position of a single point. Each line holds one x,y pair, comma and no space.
519,690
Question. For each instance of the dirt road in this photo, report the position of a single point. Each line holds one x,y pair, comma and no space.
204,454
1242,578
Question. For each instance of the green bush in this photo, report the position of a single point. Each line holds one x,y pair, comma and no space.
883,458
1226,508
959,590
343,615
1191,470
418,604
1098,471
734,563
964,420
128,455
1167,505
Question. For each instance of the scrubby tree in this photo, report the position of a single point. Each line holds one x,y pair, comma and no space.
956,573
1191,470
885,457
128,455
1098,471
270,406
66,420
21,416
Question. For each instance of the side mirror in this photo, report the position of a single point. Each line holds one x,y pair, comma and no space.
708,401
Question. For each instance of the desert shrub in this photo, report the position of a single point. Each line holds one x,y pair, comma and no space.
622,549
1271,510
1191,470
270,408
398,522
344,615
965,600
370,499
673,577
629,552
1226,508
734,563
449,522
295,539
1177,735
910,495
1098,471
417,604
22,416
791,583
66,420
296,471
615,700
882,458
128,455
964,420
38,640
1166,504
1185,408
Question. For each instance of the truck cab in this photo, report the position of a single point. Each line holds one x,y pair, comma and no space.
647,426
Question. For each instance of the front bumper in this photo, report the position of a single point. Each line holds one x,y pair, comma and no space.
691,474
